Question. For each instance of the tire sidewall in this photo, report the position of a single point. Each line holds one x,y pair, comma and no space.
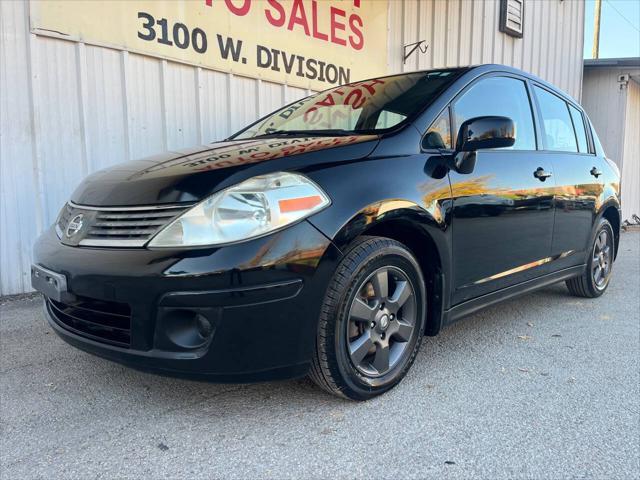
392,255
602,225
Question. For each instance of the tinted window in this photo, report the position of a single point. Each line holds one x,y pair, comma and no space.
388,119
439,133
501,96
599,149
578,124
368,106
558,128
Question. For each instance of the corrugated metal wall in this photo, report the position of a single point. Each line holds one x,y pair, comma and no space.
614,109
631,170
465,32
605,102
68,109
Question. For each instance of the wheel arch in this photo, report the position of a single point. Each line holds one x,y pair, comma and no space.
424,248
422,234
611,211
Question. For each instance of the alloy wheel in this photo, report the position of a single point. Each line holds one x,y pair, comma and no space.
601,262
382,320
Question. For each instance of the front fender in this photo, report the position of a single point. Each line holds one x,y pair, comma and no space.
390,196
416,228
383,211
365,192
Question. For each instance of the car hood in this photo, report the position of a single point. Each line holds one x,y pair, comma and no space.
193,174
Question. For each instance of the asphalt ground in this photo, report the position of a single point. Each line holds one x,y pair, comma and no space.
543,386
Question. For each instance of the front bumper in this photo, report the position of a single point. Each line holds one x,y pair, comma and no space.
261,300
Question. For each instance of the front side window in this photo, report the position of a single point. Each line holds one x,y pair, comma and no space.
556,120
370,106
499,96
439,133
581,133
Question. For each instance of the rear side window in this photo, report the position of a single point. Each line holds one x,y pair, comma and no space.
598,148
500,96
581,133
556,120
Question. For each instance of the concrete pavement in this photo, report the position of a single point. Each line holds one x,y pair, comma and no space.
543,386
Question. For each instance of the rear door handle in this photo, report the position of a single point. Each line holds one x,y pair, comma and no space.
541,174
595,172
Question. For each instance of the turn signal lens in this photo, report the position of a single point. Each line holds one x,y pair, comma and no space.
297,204
253,208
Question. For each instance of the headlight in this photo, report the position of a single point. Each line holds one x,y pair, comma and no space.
250,209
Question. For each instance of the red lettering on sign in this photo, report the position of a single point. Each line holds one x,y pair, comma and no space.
298,16
343,30
336,25
314,17
273,20
356,40
239,11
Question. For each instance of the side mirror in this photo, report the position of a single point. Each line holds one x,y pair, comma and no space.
480,133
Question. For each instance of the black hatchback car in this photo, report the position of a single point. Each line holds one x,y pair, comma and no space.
328,237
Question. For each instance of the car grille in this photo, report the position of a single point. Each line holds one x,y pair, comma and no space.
106,322
116,226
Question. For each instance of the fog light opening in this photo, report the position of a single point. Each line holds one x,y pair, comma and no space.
205,329
187,329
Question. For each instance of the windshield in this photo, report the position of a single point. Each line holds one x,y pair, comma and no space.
370,106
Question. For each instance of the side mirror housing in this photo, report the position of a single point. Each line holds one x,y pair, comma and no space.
481,133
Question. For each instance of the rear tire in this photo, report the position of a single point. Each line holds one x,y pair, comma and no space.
595,279
372,320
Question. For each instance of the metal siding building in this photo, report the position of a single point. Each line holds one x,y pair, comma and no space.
611,98
70,108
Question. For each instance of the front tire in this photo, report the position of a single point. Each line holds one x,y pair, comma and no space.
372,320
595,279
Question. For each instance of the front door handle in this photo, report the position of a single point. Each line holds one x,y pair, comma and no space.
541,174
595,172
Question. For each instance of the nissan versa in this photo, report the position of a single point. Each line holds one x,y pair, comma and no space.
328,237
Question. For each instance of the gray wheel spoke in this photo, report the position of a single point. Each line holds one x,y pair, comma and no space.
598,274
360,346
404,331
362,312
381,359
381,322
601,261
380,283
401,294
